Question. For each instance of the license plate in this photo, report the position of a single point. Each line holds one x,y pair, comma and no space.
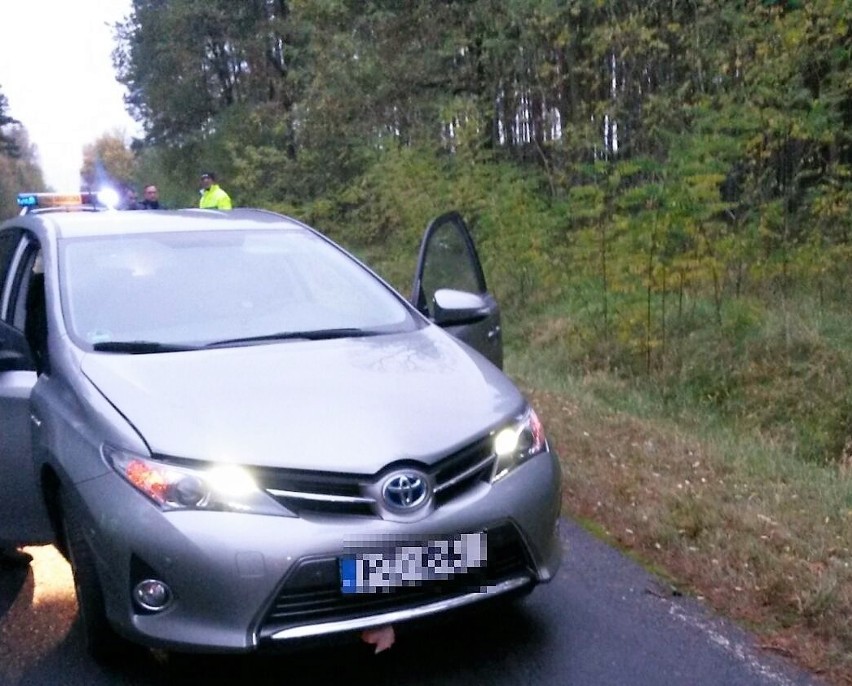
376,571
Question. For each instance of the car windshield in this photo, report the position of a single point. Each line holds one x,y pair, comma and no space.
171,291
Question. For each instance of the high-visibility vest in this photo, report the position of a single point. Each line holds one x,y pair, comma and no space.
214,198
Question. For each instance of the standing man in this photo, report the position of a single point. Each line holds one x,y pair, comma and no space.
212,195
150,198
129,201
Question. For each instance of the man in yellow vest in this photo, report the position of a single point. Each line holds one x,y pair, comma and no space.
212,195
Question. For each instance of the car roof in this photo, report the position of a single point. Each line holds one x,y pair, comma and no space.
77,224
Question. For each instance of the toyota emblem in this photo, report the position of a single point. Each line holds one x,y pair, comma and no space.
406,490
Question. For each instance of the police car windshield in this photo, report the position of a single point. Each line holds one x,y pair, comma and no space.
192,289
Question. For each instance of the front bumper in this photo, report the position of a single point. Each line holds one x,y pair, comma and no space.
403,614
239,581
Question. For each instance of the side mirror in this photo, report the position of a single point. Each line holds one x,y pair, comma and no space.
454,307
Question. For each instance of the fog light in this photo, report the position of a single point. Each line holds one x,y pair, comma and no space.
152,595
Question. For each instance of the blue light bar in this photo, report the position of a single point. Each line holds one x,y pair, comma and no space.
29,201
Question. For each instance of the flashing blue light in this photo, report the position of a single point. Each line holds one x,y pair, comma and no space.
69,201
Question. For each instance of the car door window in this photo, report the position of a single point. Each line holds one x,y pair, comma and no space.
23,313
447,260
9,242
21,294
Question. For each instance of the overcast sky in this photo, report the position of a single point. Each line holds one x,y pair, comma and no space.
56,72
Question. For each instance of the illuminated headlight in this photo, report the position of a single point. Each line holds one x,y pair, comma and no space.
178,487
518,442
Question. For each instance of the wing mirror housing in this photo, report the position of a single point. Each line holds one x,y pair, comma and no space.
453,308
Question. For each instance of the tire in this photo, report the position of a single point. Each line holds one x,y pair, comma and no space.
101,640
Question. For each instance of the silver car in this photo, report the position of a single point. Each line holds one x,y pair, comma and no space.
240,436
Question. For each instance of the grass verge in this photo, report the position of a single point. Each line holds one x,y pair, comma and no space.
761,535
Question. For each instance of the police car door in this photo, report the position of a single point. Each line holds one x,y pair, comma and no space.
449,287
22,513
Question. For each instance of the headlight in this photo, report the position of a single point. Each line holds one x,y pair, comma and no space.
176,487
518,442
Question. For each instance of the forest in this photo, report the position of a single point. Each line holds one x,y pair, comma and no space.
660,191
637,173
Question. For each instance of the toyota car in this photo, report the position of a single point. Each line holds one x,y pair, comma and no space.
240,436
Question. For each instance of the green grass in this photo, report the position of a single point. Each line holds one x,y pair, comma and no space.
718,491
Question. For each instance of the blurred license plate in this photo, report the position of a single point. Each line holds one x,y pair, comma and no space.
409,565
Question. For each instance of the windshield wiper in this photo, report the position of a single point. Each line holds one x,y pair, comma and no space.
141,347
317,335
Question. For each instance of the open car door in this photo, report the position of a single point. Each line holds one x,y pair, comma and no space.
449,287
23,517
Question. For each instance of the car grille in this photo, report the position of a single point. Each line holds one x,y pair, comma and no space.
306,492
311,593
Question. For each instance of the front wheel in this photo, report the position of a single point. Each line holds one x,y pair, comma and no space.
101,640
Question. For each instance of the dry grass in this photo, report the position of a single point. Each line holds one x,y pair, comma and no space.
764,542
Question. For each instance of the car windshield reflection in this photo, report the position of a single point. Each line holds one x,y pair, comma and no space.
176,291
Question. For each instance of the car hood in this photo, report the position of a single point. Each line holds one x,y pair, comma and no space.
346,405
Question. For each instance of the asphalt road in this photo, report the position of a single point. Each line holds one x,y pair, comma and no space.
602,621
